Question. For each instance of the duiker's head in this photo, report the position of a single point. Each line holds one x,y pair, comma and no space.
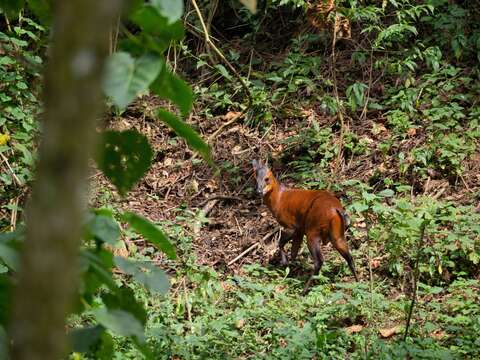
264,177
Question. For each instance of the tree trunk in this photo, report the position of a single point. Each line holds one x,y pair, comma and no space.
72,96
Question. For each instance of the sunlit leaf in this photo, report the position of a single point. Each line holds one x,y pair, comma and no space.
151,233
171,9
126,77
124,158
250,5
186,132
386,193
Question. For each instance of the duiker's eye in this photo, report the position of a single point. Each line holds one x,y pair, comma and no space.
267,180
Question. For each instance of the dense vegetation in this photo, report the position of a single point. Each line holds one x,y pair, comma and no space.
376,101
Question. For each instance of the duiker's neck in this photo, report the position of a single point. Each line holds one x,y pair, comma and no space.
272,198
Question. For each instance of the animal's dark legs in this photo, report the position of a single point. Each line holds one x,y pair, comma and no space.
284,239
313,243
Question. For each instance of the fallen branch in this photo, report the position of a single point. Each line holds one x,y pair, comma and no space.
261,242
220,197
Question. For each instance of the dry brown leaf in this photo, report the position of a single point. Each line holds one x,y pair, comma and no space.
389,332
378,128
375,263
438,334
231,114
239,324
250,5
354,329
411,132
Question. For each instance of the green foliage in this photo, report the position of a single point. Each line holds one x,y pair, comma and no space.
124,158
185,131
126,77
19,105
150,232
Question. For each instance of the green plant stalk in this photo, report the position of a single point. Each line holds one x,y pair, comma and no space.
415,278
220,54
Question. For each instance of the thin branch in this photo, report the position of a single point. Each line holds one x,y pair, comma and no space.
210,43
415,276
335,91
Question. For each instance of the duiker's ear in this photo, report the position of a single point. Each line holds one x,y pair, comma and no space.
255,164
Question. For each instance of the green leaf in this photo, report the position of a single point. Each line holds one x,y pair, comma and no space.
170,86
83,339
151,232
124,299
153,278
126,77
386,193
120,322
101,267
150,21
103,228
9,256
171,9
124,158
186,132
223,71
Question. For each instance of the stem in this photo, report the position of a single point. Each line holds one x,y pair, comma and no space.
72,98
415,277
210,43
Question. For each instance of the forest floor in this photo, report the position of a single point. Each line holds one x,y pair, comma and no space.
227,216
221,217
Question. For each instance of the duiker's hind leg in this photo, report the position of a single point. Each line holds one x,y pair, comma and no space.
337,237
313,242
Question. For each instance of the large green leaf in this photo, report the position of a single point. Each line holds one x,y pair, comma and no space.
120,322
185,131
151,232
171,9
126,77
153,278
100,265
83,339
124,299
170,86
124,158
102,226
152,22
